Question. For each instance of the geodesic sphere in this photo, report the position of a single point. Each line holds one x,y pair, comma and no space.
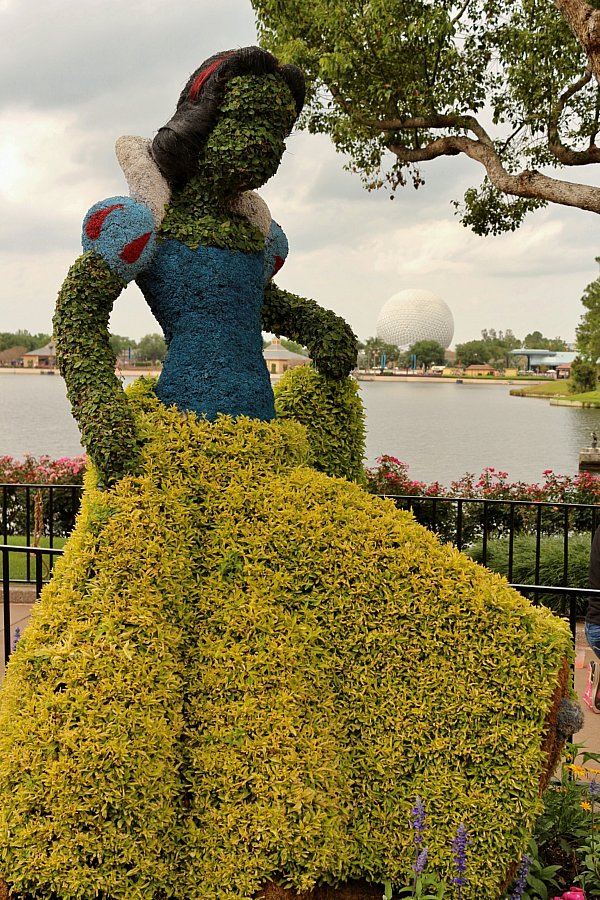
415,315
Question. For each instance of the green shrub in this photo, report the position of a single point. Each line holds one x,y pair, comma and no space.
245,670
551,565
332,412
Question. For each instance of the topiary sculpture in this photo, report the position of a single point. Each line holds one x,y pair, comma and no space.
244,670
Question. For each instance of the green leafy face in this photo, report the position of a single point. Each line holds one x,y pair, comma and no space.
246,145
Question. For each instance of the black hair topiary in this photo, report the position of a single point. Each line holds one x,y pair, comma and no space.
176,145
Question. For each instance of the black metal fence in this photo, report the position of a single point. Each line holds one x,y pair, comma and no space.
33,514
35,511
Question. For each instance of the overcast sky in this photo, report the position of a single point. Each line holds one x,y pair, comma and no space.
76,74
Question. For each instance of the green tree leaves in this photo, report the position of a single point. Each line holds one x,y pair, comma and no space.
428,353
152,348
588,330
398,83
20,338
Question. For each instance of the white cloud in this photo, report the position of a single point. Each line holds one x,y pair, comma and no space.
73,76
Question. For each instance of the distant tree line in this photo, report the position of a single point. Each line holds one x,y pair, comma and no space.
10,339
151,348
584,370
493,348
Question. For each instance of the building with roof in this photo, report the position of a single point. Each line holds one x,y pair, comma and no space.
550,359
41,358
480,369
279,359
12,356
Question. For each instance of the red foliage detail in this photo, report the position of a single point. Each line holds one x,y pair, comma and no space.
96,221
279,261
132,251
203,76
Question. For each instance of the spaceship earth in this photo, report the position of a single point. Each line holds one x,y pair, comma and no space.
415,315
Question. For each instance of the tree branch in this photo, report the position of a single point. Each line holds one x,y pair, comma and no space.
563,154
584,22
529,184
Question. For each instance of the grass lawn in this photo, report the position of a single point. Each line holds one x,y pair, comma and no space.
591,398
548,389
18,561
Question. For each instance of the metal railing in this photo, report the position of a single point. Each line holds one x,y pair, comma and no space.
36,515
42,571
23,504
461,521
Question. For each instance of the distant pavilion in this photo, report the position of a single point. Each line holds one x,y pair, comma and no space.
279,359
548,358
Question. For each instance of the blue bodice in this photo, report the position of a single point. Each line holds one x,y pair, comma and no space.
208,302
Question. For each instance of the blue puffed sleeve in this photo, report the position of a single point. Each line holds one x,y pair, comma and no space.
123,232
276,250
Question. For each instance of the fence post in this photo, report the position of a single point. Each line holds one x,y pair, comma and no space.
6,603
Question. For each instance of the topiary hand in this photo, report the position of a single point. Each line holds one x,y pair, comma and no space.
331,343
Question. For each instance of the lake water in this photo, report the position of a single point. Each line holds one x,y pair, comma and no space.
441,430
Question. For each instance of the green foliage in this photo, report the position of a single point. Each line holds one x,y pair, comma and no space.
246,670
87,364
119,343
588,330
374,349
486,210
536,340
332,412
294,346
551,563
20,338
428,353
331,343
584,376
492,348
566,842
398,83
151,348
242,151
26,512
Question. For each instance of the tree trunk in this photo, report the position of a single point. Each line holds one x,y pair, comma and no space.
584,22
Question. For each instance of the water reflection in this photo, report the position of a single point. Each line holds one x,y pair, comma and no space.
442,430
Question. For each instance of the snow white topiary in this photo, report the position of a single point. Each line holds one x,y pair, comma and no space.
244,671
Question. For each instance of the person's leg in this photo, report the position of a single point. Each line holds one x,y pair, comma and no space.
592,634
592,691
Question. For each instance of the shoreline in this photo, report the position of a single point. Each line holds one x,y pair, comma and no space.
119,372
440,379
359,377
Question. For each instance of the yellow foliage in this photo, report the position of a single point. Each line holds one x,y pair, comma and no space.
246,670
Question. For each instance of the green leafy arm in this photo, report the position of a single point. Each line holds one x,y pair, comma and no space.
330,340
87,363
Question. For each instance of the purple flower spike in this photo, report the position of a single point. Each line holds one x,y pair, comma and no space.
459,848
417,824
17,638
421,862
594,789
522,878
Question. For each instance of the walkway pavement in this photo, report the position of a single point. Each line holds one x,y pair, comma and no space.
590,733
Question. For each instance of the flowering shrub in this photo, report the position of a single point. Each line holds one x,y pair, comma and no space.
66,470
566,834
390,476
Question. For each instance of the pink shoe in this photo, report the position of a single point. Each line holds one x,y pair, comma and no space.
591,695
